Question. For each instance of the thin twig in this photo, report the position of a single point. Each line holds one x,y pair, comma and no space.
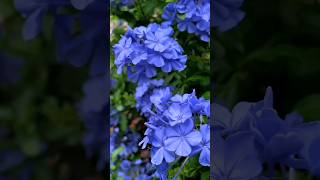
181,168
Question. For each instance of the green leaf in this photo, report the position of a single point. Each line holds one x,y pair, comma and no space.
173,172
30,146
116,152
202,80
205,175
192,168
309,107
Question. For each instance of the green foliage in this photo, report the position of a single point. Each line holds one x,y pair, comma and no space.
309,107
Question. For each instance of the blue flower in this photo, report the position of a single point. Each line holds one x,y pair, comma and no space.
182,137
159,151
143,50
127,2
178,113
192,16
156,40
143,93
141,73
162,170
204,158
160,98
188,25
170,13
123,50
114,140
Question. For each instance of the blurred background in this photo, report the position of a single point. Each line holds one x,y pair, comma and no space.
277,45
53,89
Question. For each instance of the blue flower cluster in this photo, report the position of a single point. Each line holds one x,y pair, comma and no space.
227,14
192,16
176,123
254,134
144,49
171,127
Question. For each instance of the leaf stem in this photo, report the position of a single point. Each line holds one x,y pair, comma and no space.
181,168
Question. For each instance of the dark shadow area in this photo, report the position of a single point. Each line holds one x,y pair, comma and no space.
266,70
53,89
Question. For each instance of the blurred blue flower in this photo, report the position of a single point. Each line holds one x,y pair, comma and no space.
95,97
130,143
95,137
93,111
313,156
227,14
309,134
10,159
275,142
125,166
88,46
35,11
134,170
235,157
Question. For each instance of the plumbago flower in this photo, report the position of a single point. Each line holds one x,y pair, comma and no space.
172,126
144,49
192,16
204,147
